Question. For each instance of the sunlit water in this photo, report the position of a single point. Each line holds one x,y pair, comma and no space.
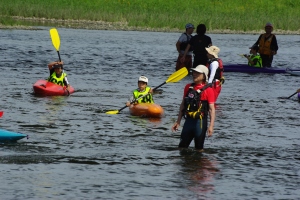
76,151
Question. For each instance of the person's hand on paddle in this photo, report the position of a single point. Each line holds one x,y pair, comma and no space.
50,65
67,88
298,90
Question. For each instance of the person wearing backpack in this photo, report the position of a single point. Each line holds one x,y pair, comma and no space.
198,102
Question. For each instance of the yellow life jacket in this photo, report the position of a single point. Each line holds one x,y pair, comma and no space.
259,61
265,45
146,99
59,81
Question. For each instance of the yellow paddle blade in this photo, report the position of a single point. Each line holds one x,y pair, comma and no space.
112,112
178,75
55,38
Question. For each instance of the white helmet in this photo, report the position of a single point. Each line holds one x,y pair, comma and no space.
143,79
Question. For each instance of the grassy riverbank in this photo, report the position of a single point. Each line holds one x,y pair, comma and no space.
165,15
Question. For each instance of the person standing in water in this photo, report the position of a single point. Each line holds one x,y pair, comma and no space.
197,103
268,46
181,45
198,42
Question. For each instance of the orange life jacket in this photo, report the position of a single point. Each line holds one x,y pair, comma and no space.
265,44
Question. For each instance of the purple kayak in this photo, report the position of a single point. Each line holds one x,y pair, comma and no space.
244,68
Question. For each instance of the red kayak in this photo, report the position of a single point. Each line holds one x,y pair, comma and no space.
45,88
146,110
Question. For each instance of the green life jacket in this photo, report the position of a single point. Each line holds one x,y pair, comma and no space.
146,99
59,81
259,61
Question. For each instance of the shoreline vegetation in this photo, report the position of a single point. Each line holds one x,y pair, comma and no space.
219,16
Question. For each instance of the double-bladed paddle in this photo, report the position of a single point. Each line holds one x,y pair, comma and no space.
55,40
173,78
56,43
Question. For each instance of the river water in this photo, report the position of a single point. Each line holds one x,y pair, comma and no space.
76,151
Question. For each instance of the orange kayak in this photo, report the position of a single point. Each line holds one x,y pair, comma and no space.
146,110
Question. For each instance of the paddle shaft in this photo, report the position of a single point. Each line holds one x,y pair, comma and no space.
58,56
292,95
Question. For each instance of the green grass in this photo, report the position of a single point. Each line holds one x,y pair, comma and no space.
216,14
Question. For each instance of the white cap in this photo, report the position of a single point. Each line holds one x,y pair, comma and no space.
201,69
143,79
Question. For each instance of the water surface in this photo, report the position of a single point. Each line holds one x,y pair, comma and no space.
76,151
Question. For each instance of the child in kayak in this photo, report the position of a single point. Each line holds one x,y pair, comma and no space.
143,94
254,59
57,75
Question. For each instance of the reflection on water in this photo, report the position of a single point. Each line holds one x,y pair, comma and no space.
200,169
77,151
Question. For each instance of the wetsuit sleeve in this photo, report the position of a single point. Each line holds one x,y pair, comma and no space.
209,41
274,45
257,42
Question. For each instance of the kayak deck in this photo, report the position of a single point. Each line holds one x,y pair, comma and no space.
244,68
8,136
46,88
295,72
146,110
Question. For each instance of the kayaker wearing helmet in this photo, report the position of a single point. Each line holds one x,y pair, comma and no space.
140,94
57,75
198,101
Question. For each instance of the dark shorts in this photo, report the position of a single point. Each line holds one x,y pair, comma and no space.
193,129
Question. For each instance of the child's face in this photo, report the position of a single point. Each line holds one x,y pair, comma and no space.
142,85
58,70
